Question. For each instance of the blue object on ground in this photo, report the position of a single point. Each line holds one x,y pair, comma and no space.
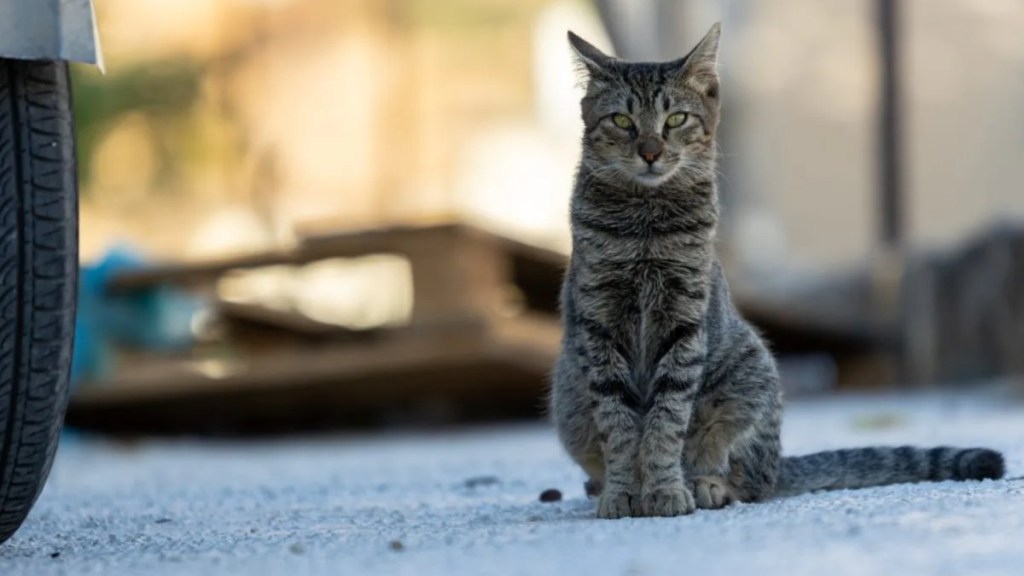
151,318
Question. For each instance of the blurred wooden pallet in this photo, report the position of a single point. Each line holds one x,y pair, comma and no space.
464,353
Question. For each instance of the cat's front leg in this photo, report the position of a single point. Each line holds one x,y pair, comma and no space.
619,428
613,405
664,487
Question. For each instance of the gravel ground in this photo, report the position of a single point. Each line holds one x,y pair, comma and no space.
467,503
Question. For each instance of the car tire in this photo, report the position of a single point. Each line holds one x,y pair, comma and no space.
38,275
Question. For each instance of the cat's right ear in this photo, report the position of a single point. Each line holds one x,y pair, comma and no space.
593,60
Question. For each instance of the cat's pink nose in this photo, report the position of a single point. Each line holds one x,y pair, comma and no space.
650,149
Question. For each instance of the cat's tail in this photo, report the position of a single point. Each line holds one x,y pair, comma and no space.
879,466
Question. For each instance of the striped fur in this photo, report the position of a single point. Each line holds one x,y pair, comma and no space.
864,467
662,393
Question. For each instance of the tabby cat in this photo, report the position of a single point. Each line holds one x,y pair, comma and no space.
662,393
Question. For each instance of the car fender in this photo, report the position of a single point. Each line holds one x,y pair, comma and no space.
50,30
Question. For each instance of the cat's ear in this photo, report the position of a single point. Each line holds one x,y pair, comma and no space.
699,68
593,60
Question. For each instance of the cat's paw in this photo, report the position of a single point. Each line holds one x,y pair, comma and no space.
711,492
668,501
614,504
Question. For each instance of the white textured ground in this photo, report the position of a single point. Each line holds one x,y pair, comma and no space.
341,506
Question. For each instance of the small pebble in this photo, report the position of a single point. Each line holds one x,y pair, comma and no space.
396,545
550,495
162,520
54,554
297,548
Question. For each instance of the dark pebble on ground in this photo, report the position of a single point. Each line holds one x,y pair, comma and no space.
550,495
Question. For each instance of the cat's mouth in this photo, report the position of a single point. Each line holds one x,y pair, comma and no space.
652,176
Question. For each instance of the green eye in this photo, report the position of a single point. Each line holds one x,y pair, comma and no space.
622,121
676,120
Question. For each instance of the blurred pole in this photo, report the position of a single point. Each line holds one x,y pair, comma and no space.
890,203
632,27
889,262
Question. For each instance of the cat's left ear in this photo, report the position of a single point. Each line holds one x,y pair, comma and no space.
595,62
699,68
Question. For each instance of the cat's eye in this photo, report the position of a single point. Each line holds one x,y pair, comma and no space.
622,121
676,120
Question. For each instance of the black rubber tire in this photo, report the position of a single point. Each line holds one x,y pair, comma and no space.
38,276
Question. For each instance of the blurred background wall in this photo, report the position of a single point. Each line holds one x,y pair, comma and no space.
223,124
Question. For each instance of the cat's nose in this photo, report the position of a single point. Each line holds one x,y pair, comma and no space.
650,149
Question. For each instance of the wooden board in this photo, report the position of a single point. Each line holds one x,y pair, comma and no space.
477,364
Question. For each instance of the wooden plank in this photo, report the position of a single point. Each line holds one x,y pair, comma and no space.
485,364
352,243
394,239
530,342
247,313
477,391
290,365
202,272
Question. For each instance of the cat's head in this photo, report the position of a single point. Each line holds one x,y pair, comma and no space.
649,123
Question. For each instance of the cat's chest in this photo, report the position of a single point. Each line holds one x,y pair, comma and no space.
642,281
645,253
